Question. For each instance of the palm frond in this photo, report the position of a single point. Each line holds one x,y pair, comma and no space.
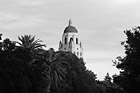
28,41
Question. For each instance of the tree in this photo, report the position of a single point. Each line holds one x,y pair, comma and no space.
28,68
78,79
53,68
11,70
107,78
8,45
17,73
28,46
129,78
29,42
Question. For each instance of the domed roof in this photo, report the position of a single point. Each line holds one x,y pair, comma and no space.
70,28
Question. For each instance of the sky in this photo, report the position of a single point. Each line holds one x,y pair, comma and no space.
100,24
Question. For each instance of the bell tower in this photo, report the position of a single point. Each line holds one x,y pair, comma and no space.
71,41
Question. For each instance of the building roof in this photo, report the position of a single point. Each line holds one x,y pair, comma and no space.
70,28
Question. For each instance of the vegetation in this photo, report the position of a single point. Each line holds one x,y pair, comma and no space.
129,78
26,67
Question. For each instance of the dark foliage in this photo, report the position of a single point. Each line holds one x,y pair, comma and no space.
129,78
28,68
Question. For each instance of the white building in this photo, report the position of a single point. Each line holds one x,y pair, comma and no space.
71,41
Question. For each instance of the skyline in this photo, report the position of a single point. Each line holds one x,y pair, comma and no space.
100,24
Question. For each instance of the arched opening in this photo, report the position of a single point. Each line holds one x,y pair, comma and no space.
76,40
78,53
65,40
71,39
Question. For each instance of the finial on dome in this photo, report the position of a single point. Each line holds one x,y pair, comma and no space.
70,23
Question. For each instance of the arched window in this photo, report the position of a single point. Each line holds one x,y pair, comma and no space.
65,40
76,40
78,53
71,39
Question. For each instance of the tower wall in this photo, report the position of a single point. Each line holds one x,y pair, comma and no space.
71,42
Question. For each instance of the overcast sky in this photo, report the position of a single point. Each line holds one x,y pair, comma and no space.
100,24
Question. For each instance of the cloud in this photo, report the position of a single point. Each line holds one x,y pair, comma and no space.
125,2
16,21
32,2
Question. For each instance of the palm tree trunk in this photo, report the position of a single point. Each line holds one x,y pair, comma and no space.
48,87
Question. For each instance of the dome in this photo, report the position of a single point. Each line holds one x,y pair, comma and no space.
70,29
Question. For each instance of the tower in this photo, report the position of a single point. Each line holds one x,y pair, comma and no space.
71,41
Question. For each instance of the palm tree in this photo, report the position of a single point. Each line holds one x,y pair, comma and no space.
29,46
29,42
54,66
